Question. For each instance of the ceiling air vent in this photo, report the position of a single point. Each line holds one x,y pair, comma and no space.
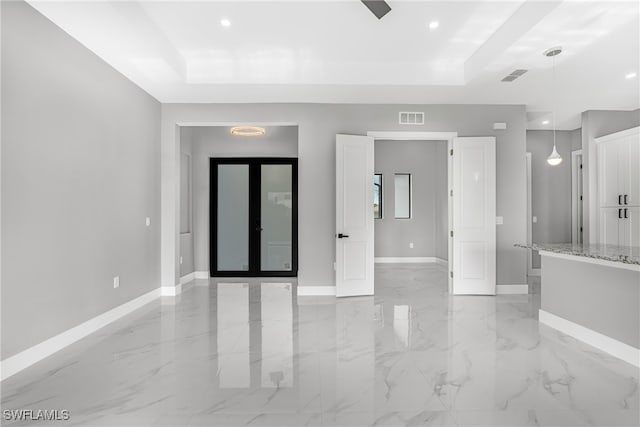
411,118
514,75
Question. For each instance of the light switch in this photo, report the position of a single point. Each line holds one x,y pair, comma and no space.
147,221
535,219
499,220
411,245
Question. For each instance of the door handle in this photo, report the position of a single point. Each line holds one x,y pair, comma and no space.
619,212
625,213
619,199
342,236
626,197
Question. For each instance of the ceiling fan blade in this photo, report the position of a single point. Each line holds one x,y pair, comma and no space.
378,7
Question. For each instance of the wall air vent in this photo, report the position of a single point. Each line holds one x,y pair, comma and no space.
514,75
411,118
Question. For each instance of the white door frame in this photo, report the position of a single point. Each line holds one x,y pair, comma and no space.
576,175
530,270
430,136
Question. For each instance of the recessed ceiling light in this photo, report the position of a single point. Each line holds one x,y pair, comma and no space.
433,25
630,75
225,22
545,122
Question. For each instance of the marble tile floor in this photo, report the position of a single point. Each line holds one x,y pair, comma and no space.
229,353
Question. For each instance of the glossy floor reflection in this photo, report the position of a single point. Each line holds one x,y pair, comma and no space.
231,353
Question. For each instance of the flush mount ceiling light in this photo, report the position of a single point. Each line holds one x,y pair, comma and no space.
554,158
433,25
247,131
225,22
545,122
631,75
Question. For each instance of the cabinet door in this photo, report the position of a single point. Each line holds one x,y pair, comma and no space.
630,228
610,175
609,224
631,158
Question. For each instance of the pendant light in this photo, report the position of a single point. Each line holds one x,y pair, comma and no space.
554,158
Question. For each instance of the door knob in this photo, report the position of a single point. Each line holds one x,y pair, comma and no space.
342,236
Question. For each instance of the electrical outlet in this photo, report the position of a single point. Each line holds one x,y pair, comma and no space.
334,266
147,221
535,219
411,245
116,282
180,260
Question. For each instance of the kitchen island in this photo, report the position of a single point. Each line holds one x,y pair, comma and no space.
592,292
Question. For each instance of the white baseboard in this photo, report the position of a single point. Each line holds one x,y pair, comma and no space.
307,291
171,291
201,274
512,289
16,363
405,259
442,262
600,341
187,278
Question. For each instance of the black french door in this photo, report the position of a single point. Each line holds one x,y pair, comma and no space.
253,219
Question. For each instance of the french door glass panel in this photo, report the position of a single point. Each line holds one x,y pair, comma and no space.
233,217
276,206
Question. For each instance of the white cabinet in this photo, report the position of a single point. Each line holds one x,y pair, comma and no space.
610,170
609,226
620,226
632,167
619,188
630,231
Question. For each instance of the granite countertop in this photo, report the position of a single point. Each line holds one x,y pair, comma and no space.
624,254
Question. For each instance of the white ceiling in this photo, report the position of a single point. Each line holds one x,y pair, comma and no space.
337,51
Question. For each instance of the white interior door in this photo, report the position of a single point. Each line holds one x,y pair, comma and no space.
354,215
474,216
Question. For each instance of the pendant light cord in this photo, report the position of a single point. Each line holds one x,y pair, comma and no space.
554,101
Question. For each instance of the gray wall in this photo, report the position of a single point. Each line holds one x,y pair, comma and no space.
595,124
550,187
319,123
80,172
186,182
281,141
420,159
442,201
